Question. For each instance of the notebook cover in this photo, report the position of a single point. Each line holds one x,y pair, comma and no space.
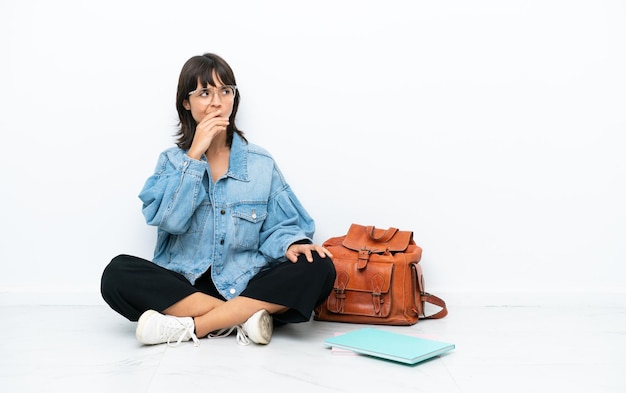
388,345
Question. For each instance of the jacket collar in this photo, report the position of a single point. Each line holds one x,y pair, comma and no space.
238,165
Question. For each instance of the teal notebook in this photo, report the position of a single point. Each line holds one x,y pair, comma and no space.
388,345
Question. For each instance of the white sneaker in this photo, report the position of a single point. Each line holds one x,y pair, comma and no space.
258,329
156,328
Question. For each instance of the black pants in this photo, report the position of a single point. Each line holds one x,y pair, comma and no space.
132,285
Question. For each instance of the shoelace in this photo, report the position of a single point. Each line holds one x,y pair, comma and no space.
242,338
184,330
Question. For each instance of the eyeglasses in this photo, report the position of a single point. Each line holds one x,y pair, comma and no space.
206,94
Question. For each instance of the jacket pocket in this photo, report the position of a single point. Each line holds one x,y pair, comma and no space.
247,220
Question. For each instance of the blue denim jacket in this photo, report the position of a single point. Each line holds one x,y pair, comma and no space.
238,226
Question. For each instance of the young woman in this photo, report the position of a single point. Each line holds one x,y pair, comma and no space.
234,248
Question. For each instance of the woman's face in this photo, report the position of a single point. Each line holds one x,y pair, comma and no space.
210,99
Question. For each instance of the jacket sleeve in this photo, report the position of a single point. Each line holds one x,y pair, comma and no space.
287,221
175,190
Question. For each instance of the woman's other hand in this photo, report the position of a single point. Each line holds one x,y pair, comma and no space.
295,250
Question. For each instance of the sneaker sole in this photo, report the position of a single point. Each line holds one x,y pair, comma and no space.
141,323
266,328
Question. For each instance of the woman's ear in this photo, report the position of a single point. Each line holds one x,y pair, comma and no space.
186,105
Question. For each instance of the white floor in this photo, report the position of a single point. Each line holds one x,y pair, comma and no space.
498,349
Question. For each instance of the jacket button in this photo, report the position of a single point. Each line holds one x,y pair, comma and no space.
232,291
222,241
222,211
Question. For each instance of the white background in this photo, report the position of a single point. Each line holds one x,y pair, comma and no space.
491,129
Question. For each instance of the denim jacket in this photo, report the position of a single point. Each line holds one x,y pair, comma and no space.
239,225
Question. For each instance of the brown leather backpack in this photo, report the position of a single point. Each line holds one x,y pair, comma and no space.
379,279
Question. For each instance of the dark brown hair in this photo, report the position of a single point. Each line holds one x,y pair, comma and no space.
201,68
